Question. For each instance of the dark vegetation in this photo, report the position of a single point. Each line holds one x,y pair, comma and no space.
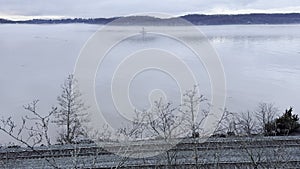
283,125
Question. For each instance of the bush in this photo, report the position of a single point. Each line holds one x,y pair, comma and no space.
283,125
270,129
287,123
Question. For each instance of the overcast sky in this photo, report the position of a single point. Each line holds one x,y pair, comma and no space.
26,9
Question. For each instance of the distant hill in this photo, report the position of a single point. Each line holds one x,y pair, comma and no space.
292,18
197,19
60,21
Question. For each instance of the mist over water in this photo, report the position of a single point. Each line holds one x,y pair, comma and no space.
261,63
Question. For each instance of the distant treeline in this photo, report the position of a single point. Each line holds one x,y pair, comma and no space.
197,19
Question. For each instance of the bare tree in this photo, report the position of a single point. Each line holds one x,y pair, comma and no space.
71,113
194,115
247,123
266,113
41,123
34,127
137,128
191,108
32,131
164,120
228,124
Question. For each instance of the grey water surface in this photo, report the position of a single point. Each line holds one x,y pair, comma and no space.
261,64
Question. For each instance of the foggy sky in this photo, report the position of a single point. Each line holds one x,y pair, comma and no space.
20,9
